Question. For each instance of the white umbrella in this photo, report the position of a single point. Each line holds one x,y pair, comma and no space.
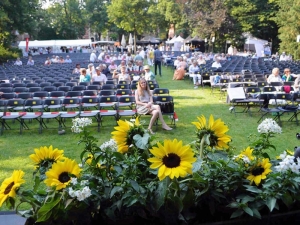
130,41
123,41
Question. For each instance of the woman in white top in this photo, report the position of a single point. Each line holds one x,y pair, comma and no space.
122,76
91,70
144,99
274,77
100,77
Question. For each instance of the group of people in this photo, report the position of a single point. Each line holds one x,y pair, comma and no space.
57,59
287,76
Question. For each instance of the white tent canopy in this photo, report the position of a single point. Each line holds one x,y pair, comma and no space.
259,45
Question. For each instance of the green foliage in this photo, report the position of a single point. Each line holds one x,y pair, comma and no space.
6,54
288,19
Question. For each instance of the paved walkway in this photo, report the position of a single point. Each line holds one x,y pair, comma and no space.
10,218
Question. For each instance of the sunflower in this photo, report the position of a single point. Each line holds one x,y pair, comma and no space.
172,159
45,155
247,153
124,133
89,161
61,172
259,171
10,185
216,129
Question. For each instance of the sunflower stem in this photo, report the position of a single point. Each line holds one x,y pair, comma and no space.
201,147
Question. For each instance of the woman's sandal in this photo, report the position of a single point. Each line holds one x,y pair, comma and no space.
167,128
150,131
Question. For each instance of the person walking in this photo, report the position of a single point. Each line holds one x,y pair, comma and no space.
157,60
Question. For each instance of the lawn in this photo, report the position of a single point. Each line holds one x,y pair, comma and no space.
189,103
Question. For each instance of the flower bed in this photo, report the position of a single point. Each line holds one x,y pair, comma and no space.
133,178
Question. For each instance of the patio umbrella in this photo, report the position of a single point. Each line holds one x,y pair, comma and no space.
123,41
130,41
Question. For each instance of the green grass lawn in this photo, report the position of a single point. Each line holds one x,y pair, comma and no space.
189,103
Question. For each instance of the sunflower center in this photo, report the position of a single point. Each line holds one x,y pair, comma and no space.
171,160
258,171
8,188
64,177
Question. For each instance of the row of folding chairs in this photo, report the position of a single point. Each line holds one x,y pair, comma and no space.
61,109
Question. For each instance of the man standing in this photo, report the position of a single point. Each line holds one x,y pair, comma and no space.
157,60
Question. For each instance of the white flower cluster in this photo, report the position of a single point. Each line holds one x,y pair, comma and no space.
80,194
269,125
80,123
288,164
244,158
111,144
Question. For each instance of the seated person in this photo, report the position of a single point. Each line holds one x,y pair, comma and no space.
193,69
47,62
76,69
180,70
61,60
138,68
30,61
287,75
99,76
274,77
18,62
123,63
84,77
201,60
144,105
91,70
122,76
297,84
112,66
149,75
105,69
53,60
68,60
216,64
129,67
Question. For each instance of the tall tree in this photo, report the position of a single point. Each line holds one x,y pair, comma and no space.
17,15
96,14
67,18
130,15
288,20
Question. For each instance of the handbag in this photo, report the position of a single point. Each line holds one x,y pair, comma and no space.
166,107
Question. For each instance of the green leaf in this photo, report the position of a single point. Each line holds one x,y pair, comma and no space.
160,194
252,189
116,189
45,211
135,185
197,165
256,213
141,142
287,199
237,213
271,202
177,203
248,210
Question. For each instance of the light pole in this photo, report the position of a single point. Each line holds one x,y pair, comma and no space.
213,40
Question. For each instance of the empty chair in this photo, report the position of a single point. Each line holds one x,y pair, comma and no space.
52,103
71,84
106,92
78,88
122,92
84,83
161,91
32,85
70,103
58,84
39,81
57,94
6,89
72,94
11,95
44,84
87,105
64,88
108,106
19,85
122,86
49,88
93,87
89,93
34,89
40,94
24,95
20,89
269,89
6,85
74,105
108,86
90,102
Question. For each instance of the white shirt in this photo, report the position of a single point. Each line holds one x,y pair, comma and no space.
100,78
18,63
216,65
93,57
273,78
193,69
68,60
